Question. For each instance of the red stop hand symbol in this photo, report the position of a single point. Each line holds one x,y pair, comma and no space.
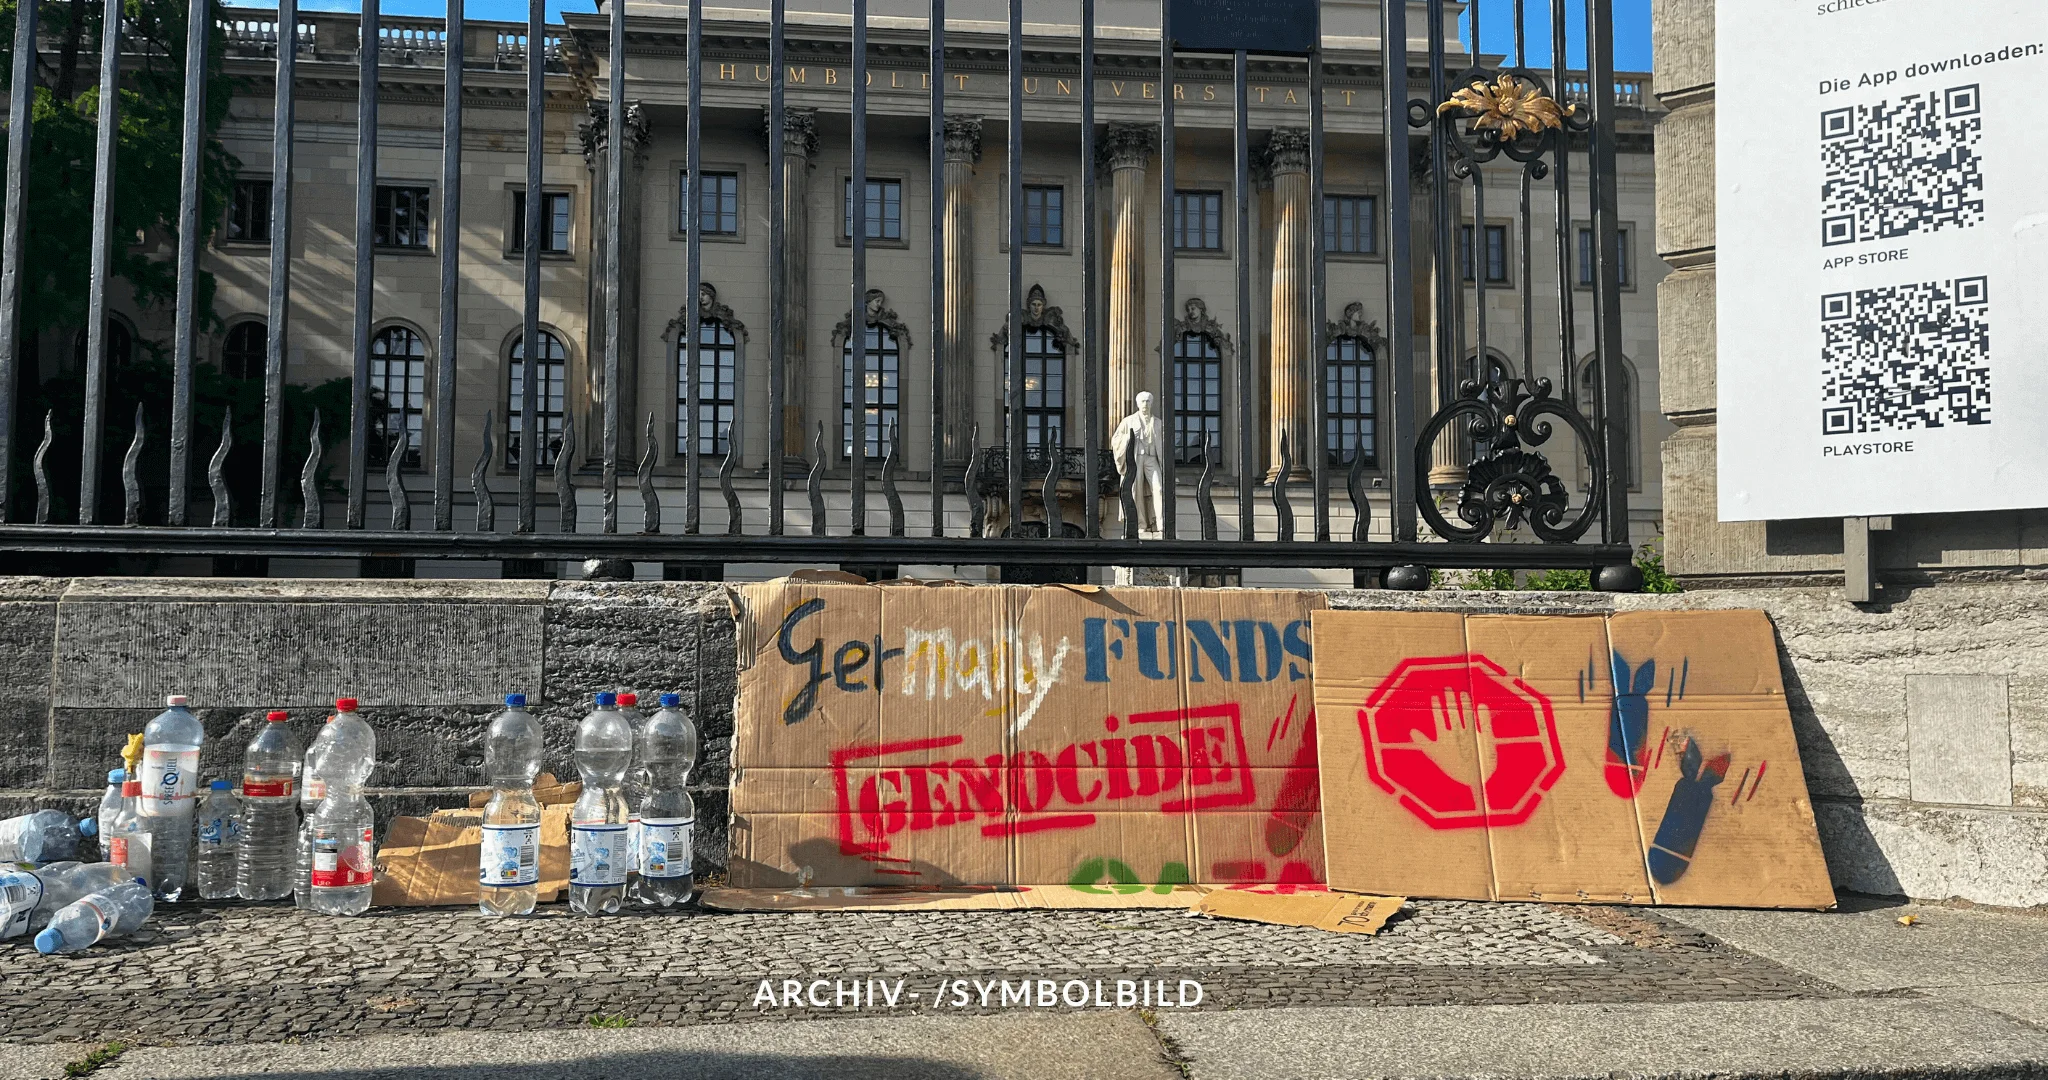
1460,742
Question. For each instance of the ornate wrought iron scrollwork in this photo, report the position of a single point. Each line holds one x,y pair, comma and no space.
1511,112
890,462
815,483
643,479
314,515
131,472
486,507
1361,506
223,502
1049,491
1205,488
1283,509
1507,483
394,483
970,482
42,477
1126,488
733,520
565,466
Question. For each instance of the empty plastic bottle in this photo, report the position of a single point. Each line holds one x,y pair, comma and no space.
112,912
29,899
133,842
343,829
170,788
110,812
635,788
509,859
220,833
312,792
597,823
667,749
43,837
270,812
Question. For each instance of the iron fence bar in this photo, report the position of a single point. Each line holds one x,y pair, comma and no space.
1481,254
778,447
857,324
277,334
106,139
1247,426
1013,313
531,438
20,118
693,333
1528,260
614,191
1400,348
1566,282
198,14
1449,293
451,271
365,263
1316,441
1091,389
1603,196
1166,282
937,168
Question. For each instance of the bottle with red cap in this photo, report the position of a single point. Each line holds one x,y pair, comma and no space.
270,811
342,831
635,788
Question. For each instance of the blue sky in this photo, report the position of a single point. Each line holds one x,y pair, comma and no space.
1496,22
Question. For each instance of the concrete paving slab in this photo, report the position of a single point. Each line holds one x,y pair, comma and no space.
1787,1040
2025,1001
888,1048
1864,948
40,1062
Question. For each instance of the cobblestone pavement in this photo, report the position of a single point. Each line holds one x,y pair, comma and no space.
266,972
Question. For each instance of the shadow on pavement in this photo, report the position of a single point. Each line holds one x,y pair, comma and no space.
650,1065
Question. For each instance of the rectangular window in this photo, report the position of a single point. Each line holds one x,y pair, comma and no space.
1197,397
401,218
249,213
1496,253
879,392
1350,224
1045,393
1198,220
884,210
554,217
717,389
1586,262
1045,216
1348,401
718,203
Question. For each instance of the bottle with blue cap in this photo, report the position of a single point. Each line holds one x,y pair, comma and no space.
599,854
509,856
667,750
220,832
112,912
29,899
43,837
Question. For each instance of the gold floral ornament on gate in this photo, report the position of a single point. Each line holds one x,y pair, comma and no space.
1509,107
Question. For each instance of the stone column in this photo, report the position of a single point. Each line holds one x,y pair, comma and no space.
963,150
799,146
1293,338
590,423
1127,148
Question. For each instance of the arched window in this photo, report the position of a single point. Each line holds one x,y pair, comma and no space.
717,388
244,353
1197,396
1348,389
880,389
1587,398
398,389
551,381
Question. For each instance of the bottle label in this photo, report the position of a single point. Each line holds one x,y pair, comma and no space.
117,851
106,917
316,789
510,856
211,830
170,780
665,847
339,864
266,789
598,855
20,893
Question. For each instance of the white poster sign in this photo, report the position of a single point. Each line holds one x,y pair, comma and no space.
1882,254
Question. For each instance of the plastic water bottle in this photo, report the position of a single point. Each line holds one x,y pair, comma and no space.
636,784
509,860
312,792
220,832
112,912
30,898
270,819
110,812
170,788
597,823
43,837
343,829
668,819
133,843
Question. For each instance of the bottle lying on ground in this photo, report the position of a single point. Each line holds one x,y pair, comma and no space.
343,829
509,857
220,831
170,793
598,855
270,812
668,817
112,912
29,899
43,837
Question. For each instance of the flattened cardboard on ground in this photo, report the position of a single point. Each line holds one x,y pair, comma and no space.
954,735
1028,898
432,861
1646,758
1337,912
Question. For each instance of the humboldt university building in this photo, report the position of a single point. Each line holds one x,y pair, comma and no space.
731,315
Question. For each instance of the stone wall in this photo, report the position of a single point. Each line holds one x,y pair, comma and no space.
1923,723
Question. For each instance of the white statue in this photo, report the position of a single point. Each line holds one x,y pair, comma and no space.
1139,446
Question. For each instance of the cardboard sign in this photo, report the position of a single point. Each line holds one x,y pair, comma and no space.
901,898
954,735
1644,758
1340,913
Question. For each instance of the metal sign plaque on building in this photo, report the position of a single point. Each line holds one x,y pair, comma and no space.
1284,27
1882,243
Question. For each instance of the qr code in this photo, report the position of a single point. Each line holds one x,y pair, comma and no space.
1900,167
1903,357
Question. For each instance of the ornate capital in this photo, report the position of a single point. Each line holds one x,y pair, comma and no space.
595,132
1038,315
799,131
1129,146
963,139
1355,325
1287,151
878,313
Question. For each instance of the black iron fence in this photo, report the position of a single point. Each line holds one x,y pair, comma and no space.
1467,457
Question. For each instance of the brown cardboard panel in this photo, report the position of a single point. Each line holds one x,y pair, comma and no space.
1260,847
808,672
1142,847
772,850
1018,898
1564,836
1406,819
432,861
1725,814
1342,913
957,664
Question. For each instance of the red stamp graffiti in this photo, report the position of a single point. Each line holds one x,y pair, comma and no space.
1174,761
1421,727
